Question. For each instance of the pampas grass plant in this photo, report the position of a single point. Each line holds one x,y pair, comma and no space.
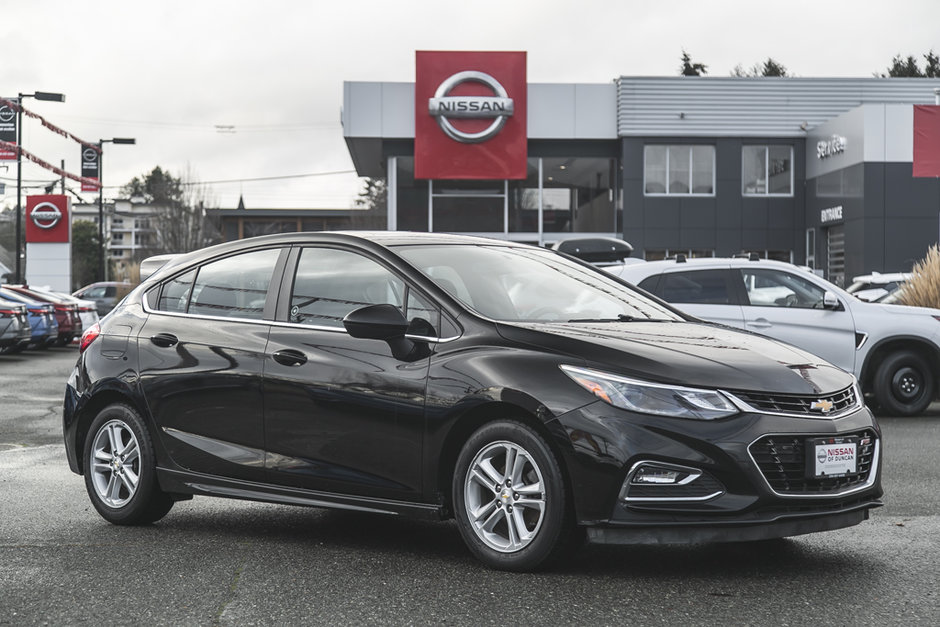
923,288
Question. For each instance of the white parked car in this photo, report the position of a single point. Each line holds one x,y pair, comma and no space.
893,351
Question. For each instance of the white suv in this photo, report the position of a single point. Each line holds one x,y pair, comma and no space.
894,351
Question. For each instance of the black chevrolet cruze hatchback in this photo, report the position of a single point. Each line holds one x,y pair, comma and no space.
526,394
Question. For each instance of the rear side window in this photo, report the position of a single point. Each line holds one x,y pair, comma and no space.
697,286
330,283
234,287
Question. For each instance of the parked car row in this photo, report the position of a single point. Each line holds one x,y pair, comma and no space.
34,317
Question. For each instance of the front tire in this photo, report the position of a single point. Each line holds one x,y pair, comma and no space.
509,498
120,469
904,384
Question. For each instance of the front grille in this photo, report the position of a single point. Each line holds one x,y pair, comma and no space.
841,401
782,461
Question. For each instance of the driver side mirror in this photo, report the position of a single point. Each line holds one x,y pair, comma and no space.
831,301
376,322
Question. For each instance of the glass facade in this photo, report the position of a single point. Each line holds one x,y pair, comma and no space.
559,195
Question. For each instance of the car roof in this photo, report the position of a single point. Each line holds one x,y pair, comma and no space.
651,268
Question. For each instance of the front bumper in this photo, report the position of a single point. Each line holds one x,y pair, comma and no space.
743,488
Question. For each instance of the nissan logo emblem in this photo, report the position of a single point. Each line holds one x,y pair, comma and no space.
6,114
46,215
445,107
90,154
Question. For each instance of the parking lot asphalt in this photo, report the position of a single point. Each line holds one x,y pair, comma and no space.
226,562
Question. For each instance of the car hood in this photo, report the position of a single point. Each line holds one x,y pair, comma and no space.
687,353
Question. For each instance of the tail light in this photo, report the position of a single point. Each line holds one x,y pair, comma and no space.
38,311
89,336
8,312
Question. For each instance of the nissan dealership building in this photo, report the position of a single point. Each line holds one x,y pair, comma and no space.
810,170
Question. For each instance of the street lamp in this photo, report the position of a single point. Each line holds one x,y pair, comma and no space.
39,95
101,143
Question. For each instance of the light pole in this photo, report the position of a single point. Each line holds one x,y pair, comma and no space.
39,95
101,245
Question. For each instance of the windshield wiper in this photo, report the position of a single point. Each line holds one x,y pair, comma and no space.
619,318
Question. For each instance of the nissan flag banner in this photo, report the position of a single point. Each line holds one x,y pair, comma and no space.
90,162
926,140
7,131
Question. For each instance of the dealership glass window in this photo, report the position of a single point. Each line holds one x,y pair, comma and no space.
558,195
767,170
679,170
578,195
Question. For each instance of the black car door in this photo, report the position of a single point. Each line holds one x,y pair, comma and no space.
343,414
201,361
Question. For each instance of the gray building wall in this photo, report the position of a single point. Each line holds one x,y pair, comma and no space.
727,222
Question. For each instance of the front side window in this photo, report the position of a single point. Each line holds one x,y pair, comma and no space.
767,170
679,170
331,283
775,288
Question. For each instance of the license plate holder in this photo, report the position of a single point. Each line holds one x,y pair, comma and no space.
831,458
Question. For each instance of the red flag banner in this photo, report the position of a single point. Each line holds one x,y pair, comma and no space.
49,125
926,140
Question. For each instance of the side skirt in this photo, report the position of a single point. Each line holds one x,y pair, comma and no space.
174,481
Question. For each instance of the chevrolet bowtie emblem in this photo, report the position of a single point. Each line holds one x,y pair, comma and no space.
821,406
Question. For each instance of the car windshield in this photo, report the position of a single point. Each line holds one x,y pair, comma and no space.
517,284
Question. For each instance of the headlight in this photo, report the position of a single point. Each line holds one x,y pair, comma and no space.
653,398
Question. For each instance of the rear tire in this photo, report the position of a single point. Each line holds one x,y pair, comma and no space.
120,469
510,501
904,384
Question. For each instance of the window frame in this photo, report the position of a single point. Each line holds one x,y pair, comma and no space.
690,193
767,193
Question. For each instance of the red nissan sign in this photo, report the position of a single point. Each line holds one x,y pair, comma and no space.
926,140
47,219
470,115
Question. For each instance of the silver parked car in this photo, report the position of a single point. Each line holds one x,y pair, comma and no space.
893,351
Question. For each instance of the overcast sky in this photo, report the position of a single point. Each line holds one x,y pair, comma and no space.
168,72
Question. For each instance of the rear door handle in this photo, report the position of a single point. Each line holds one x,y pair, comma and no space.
290,357
165,340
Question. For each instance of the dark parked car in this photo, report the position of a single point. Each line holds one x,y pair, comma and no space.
527,394
44,328
106,294
15,331
66,312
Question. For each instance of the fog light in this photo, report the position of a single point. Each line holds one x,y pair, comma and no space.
652,474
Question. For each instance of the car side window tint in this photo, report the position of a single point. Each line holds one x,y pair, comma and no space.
174,297
696,286
423,317
330,283
649,284
234,287
777,288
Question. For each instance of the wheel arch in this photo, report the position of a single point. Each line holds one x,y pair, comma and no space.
90,410
885,347
484,413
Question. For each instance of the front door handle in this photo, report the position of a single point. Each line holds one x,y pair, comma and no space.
165,340
760,323
290,357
